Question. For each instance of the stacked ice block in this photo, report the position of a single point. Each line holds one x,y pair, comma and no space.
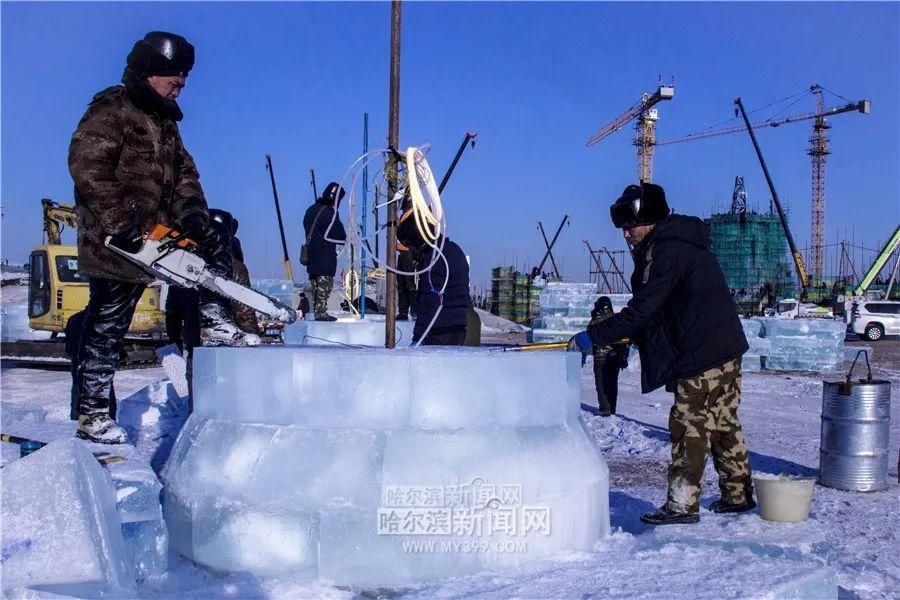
805,344
379,467
759,346
346,331
566,310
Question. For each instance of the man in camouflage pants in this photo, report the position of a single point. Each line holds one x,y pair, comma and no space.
704,417
690,339
324,231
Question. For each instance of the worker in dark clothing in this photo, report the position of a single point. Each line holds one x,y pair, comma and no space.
608,361
406,284
303,305
322,223
449,302
690,340
183,318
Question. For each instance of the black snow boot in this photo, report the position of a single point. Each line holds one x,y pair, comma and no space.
720,506
664,515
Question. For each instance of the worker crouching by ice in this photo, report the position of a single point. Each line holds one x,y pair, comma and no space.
690,339
449,302
608,361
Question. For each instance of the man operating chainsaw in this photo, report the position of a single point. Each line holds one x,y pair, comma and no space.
131,172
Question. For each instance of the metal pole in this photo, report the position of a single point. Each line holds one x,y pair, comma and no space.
390,303
798,261
547,245
541,266
312,174
612,259
887,293
462,147
365,212
287,260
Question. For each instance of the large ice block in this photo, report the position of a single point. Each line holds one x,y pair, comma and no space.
61,531
349,457
804,344
565,309
349,331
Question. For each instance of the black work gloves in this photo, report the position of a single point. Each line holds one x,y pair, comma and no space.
129,241
194,227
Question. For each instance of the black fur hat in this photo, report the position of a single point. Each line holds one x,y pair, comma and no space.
161,54
639,205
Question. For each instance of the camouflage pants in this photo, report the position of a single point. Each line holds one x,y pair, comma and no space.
321,289
704,417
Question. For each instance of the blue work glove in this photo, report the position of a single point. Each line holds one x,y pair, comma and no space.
583,342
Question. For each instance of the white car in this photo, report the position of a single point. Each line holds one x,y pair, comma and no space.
874,319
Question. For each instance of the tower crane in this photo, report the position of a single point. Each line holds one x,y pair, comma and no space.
645,127
817,151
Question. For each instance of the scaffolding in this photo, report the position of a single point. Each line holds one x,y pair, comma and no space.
752,251
605,269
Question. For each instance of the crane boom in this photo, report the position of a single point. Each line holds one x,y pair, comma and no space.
863,106
798,257
664,92
892,244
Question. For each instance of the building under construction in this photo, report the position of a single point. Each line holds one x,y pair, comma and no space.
752,251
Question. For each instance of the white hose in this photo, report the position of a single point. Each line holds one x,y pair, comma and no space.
427,210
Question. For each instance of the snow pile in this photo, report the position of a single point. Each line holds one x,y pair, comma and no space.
421,465
566,309
61,531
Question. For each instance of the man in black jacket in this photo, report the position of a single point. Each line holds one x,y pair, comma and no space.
449,328
690,339
322,253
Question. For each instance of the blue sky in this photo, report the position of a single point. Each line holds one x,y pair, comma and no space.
535,80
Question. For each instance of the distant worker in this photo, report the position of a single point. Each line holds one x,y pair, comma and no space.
131,171
690,339
407,291
303,305
321,264
608,361
244,316
449,328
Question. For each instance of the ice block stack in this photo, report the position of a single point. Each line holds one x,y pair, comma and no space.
759,346
566,309
804,344
377,467
347,331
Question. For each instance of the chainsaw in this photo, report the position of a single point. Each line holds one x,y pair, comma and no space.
172,257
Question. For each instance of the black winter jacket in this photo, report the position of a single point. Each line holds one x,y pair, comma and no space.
456,296
681,315
322,253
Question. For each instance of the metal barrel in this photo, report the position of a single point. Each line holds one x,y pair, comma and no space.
856,422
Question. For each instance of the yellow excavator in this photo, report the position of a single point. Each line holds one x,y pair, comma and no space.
56,291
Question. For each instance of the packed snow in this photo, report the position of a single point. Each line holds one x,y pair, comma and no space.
852,537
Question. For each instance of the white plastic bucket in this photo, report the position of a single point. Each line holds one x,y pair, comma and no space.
782,498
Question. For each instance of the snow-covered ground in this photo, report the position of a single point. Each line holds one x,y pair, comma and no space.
856,534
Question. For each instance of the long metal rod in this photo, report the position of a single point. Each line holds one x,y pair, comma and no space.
798,258
390,303
547,246
312,181
462,147
365,213
287,259
558,229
